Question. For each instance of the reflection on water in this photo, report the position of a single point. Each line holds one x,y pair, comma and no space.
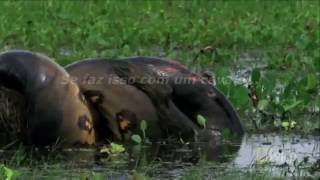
277,150
280,155
273,155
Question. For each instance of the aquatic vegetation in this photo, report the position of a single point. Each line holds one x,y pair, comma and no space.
201,120
113,149
7,173
265,49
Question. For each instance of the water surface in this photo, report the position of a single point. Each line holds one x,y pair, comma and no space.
265,155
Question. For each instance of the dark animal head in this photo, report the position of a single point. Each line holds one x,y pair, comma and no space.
202,98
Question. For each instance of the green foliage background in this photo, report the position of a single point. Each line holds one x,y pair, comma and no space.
275,44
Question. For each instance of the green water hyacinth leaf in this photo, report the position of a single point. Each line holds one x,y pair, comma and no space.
240,96
288,124
255,75
143,125
116,148
136,138
263,104
293,124
312,82
285,125
201,120
7,173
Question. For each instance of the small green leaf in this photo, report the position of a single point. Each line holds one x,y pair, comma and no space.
240,96
201,120
255,75
269,81
293,124
116,148
7,172
288,107
288,124
285,125
263,104
143,125
126,49
136,138
312,82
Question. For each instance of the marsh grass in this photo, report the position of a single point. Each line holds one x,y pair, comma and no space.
234,39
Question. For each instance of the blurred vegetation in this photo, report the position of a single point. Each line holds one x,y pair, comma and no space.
265,54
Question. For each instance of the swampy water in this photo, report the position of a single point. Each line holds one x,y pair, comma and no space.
254,156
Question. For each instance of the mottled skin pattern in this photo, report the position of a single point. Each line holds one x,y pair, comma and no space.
128,123
99,82
57,112
179,102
